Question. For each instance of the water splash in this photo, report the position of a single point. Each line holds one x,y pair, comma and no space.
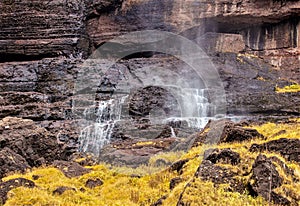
194,105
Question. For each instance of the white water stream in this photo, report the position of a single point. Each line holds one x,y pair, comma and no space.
95,136
194,106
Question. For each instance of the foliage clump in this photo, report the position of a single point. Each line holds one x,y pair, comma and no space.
291,88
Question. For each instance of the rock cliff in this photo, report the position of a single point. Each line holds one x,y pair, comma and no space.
254,44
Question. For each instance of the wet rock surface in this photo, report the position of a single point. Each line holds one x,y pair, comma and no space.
149,98
134,153
6,186
41,51
40,61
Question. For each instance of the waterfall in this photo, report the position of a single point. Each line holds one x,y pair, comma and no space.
172,132
101,118
194,105
94,136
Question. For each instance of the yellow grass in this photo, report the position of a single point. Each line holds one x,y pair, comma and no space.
292,88
122,188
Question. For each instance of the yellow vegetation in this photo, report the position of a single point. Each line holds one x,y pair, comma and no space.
292,88
240,57
249,56
121,187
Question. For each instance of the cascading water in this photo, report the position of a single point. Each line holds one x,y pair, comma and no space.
181,84
93,137
172,132
194,105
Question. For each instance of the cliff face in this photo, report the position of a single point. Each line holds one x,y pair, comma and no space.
42,45
269,28
253,44
32,30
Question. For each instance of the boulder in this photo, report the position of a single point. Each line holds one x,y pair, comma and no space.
265,178
60,190
288,148
70,169
178,165
91,183
224,131
11,161
6,186
222,155
209,172
27,145
32,142
174,182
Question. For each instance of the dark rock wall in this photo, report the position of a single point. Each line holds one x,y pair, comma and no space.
42,44
37,29
269,28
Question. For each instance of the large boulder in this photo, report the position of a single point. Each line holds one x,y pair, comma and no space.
11,161
224,131
27,145
288,148
265,178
